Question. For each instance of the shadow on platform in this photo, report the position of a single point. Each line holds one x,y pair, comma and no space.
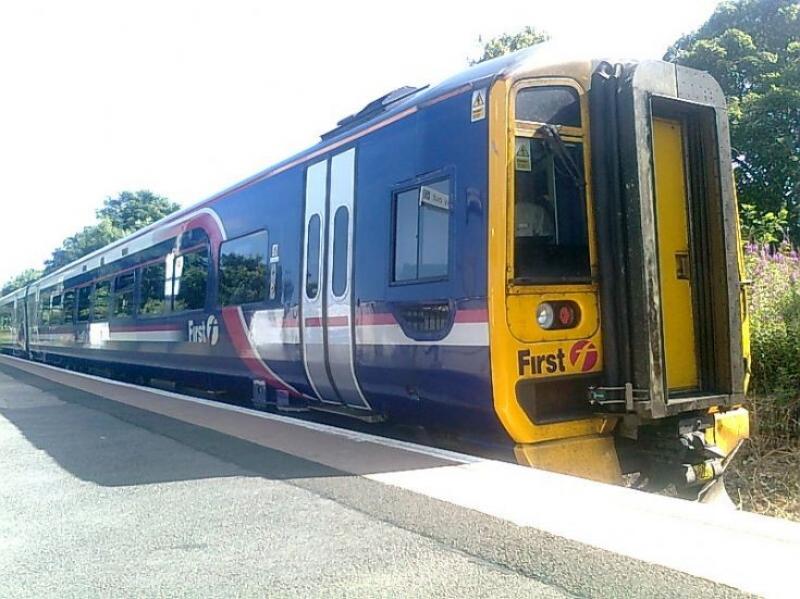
98,443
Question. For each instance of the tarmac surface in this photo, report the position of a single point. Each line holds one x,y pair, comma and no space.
99,498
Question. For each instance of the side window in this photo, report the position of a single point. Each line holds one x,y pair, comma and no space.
312,253
102,293
6,323
191,277
124,286
20,318
341,221
151,289
243,270
84,303
44,308
56,314
422,232
69,306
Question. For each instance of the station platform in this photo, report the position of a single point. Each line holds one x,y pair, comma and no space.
112,489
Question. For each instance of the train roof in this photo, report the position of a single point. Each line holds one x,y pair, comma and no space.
385,107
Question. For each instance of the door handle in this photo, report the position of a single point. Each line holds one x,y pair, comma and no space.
682,265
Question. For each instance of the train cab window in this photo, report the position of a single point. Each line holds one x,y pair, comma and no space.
68,306
243,269
84,303
550,228
102,293
151,289
124,286
551,104
191,277
422,232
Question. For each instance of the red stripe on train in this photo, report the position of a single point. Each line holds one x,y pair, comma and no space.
331,321
235,327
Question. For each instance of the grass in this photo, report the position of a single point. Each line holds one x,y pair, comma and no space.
765,476
766,481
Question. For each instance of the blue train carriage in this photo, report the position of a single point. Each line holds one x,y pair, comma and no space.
541,250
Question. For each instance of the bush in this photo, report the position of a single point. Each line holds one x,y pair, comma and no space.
774,308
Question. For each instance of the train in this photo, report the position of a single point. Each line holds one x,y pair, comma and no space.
541,251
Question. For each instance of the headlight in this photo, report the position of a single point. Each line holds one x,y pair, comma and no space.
558,315
545,315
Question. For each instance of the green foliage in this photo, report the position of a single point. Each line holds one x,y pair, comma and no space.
774,309
22,279
510,42
84,242
120,216
763,228
752,47
130,211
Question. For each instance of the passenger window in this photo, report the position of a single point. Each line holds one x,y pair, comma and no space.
102,291
69,306
152,283
312,257
6,323
552,104
341,221
43,316
124,286
20,317
84,303
422,232
243,270
550,229
56,313
191,277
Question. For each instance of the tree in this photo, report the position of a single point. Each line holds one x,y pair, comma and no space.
120,216
752,47
84,242
22,279
130,211
510,42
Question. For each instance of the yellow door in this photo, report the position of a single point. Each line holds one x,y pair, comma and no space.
673,255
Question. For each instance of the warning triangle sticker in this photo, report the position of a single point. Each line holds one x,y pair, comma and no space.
478,111
522,156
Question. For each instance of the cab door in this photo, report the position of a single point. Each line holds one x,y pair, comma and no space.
328,318
674,252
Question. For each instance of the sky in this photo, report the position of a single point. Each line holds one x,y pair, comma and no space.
187,98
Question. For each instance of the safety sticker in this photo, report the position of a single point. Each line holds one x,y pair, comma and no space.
522,156
478,104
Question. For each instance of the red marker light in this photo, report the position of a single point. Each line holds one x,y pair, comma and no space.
566,315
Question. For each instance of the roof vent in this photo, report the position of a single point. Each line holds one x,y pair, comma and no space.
372,109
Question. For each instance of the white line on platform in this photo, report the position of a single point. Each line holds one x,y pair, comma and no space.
742,550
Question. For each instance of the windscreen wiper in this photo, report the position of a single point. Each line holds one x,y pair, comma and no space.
559,148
